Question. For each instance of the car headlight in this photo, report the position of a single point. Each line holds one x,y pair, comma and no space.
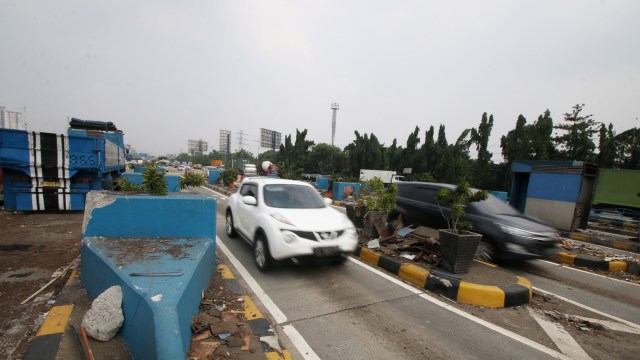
288,236
281,218
515,247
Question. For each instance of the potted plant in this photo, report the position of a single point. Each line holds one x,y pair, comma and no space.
457,243
378,202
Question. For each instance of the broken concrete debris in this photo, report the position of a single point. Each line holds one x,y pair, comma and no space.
105,317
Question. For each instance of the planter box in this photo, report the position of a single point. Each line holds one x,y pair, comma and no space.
458,250
356,214
369,222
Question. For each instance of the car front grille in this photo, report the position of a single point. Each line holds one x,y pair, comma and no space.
318,235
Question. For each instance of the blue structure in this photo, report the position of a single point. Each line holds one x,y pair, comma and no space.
214,175
44,171
322,183
557,192
502,195
339,187
173,181
161,251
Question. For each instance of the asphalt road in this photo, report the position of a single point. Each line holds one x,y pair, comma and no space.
352,311
612,296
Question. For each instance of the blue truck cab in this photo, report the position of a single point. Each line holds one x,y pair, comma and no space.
44,171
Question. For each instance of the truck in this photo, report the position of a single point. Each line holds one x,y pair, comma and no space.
387,176
45,171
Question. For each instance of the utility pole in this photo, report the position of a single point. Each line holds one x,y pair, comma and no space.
334,106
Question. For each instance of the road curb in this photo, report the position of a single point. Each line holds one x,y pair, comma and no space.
47,341
588,262
516,294
616,244
260,326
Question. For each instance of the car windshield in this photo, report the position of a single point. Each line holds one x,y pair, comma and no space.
493,205
292,197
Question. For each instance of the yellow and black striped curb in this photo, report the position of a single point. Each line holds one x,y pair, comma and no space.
47,341
596,264
516,294
612,243
259,325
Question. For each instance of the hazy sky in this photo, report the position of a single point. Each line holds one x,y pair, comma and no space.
168,71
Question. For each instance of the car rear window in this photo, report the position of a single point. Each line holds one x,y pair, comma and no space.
290,196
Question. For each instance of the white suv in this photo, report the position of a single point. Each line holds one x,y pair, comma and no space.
286,219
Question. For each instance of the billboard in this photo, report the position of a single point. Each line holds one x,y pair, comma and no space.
198,147
270,139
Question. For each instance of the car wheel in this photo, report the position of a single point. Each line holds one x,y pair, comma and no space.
231,230
261,253
485,252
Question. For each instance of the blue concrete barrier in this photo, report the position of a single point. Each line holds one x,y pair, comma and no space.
339,187
161,251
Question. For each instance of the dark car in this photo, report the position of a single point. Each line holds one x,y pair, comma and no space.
507,233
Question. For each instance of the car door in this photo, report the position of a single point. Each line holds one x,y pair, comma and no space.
245,212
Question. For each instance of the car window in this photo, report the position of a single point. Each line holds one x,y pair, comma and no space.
493,205
423,194
292,197
249,190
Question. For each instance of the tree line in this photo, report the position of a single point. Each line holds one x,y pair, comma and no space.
438,160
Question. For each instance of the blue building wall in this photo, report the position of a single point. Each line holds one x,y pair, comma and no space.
558,187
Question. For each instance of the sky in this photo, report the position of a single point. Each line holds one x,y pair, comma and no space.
166,71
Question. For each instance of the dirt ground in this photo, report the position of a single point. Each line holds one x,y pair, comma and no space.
32,248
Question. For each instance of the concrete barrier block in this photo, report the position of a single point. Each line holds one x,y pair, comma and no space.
161,251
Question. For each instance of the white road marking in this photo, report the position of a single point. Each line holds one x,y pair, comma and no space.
497,329
468,316
588,272
611,325
629,323
563,340
387,276
300,343
275,311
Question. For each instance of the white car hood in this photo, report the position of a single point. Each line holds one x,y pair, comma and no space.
324,219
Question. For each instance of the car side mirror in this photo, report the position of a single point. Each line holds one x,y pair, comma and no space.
327,201
249,200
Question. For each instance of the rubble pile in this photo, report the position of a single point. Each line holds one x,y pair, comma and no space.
410,244
220,330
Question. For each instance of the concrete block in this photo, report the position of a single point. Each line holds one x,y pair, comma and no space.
104,318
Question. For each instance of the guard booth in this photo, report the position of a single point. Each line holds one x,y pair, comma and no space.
556,192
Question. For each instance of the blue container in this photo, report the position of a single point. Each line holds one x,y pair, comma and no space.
214,175
502,195
339,190
322,183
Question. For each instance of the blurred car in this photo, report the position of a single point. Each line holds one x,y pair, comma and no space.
287,219
506,233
